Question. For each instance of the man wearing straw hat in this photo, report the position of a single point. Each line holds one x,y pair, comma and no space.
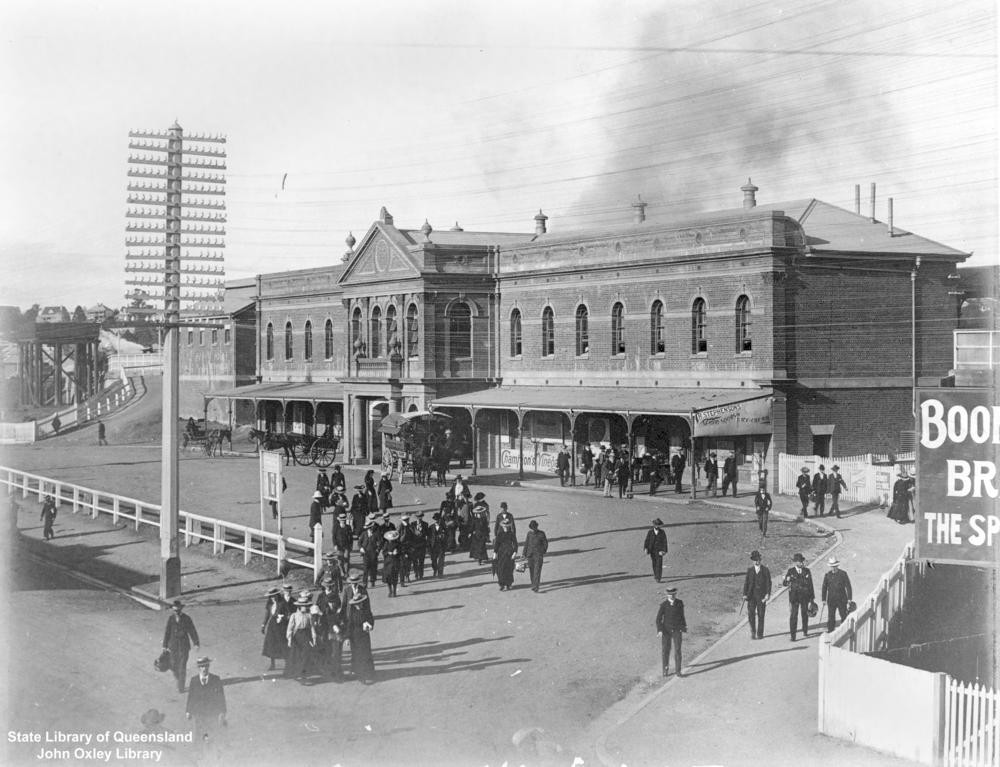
206,702
835,593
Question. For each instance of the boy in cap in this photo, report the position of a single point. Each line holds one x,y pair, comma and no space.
206,702
756,593
835,593
670,625
656,547
800,594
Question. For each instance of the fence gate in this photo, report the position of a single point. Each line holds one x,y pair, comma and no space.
971,726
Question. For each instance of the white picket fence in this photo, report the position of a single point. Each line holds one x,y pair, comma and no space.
971,726
867,480
147,364
195,528
919,715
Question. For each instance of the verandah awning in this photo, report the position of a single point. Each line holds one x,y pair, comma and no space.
711,412
283,392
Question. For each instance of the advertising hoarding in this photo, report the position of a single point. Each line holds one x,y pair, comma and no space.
957,518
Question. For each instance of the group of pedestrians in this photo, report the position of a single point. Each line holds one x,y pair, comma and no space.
308,631
836,595
815,489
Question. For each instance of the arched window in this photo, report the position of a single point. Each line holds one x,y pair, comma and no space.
268,342
657,345
375,334
515,333
357,340
699,344
390,329
307,341
328,340
460,331
288,340
548,333
582,330
618,329
412,332
743,343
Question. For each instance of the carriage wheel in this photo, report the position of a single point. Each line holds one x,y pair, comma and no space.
388,464
302,453
322,457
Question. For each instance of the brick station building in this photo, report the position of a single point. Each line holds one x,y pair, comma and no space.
795,327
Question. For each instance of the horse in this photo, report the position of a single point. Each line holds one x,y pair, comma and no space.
214,440
269,441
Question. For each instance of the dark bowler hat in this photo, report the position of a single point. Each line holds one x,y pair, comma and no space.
272,592
419,514
657,522
755,555
342,515
287,587
672,590
204,660
152,717
479,496
836,467
327,581
805,469
798,558
533,525
177,604
354,577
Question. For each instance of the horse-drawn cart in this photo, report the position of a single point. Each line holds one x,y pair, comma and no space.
415,442
303,449
196,434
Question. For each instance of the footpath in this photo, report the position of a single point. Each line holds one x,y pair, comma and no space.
760,710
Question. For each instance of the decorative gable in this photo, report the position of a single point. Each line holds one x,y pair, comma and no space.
377,258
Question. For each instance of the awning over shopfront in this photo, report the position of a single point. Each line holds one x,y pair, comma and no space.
283,392
710,411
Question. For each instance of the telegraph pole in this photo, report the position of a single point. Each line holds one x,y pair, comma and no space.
168,212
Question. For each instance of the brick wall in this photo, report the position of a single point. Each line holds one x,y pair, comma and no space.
867,420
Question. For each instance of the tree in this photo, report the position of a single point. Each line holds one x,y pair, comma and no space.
30,315
79,314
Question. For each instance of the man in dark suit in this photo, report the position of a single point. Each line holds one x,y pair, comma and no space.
206,702
819,489
670,624
562,464
762,505
800,594
656,547
756,592
677,463
834,484
178,636
836,593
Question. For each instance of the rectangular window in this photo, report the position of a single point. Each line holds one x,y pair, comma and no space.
227,335
215,336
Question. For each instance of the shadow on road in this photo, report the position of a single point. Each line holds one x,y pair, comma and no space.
707,666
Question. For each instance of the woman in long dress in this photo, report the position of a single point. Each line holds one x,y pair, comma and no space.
390,561
505,550
358,623
900,508
301,638
273,628
479,529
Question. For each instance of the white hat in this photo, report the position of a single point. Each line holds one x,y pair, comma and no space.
833,561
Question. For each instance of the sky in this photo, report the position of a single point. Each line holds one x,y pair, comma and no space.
482,113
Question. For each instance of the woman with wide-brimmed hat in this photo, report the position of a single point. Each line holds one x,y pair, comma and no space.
479,529
504,553
358,623
301,637
901,494
273,628
390,561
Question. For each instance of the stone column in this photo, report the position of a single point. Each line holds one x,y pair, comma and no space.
357,429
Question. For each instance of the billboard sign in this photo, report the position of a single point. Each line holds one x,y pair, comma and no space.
957,517
747,417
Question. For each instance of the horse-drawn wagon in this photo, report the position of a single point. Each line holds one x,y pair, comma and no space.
417,442
303,449
197,434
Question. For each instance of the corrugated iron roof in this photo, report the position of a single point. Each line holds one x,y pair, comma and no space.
285,392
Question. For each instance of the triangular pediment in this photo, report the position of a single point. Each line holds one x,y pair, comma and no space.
381,254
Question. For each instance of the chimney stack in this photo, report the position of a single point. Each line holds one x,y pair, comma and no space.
639,208
892,232
873,203
540,220
857,199
749,194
